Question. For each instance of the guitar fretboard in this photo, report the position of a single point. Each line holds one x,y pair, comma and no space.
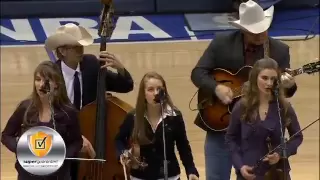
296,72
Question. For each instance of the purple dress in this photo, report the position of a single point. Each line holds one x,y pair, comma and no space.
248,142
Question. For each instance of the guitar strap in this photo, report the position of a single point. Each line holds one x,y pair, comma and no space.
266,49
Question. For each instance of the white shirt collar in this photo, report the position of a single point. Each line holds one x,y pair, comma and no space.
69,71
169,111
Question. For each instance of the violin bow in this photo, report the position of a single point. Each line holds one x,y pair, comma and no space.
286,141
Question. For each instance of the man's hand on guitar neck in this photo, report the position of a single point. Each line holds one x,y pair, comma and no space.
224,93
287,80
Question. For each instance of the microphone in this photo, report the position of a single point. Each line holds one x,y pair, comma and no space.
276,87
160,96
46,87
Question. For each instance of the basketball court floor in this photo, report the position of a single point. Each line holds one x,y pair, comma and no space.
174,60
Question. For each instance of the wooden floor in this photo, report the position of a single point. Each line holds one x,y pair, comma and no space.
174,61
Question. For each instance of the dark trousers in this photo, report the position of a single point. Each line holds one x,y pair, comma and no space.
74,167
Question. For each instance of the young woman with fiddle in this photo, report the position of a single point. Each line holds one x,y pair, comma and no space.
255,121
35,111
143,127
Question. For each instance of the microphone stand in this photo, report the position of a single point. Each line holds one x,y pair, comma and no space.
160,99
291,137
47,90
283,143
165,162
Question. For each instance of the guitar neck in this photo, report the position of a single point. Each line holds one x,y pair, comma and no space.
296,72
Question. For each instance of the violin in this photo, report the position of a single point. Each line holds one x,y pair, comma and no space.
274,173
132,158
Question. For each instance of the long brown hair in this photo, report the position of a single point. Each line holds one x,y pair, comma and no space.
51,71
139,133
250,100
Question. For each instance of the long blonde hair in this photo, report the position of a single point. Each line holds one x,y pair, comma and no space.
139,134
250,100
49,70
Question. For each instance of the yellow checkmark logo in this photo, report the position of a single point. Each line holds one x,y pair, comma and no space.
40,143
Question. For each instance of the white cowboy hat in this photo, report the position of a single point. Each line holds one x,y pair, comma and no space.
69,34
253,18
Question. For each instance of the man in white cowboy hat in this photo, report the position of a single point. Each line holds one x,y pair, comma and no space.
262,3
231,51
80,72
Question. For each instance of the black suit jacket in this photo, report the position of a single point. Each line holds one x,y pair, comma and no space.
226,51
89,67
153,153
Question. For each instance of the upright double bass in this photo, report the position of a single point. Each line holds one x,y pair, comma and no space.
101,119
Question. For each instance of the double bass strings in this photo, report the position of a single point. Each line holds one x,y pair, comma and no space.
89,170
97,170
